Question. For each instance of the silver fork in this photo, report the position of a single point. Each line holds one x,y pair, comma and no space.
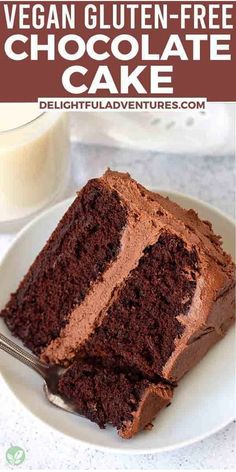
50,374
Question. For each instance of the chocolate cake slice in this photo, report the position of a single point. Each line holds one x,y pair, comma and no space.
130,289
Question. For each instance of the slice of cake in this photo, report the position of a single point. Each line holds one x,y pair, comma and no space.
110,395
131,285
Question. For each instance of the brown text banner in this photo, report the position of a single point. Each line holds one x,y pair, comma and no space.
117,49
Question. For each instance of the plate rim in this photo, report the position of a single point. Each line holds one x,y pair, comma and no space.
119,449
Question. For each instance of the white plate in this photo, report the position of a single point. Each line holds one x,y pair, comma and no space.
204,399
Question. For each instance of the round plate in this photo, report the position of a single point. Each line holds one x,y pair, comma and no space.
204,400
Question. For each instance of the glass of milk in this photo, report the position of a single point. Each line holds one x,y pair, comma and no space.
34,160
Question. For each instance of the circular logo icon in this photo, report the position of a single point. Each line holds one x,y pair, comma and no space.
15,455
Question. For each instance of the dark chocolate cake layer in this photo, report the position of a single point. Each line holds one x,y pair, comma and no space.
142,325
112,396
85,242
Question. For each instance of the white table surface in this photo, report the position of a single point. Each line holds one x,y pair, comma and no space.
208,178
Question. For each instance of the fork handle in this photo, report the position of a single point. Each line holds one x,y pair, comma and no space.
23,356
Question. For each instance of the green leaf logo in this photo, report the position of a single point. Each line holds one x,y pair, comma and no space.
15,455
